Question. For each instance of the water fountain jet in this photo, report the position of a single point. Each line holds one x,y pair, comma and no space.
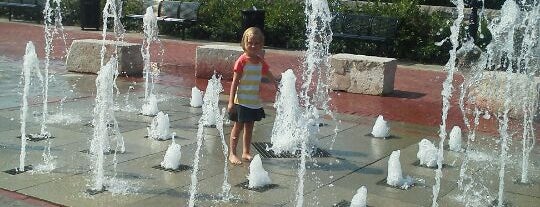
211,116
360,198
159,128
284,132
507,65
30,65
171,160
150,29
150,107
210,101
395,177
258,177
427,153
380,128
104,121
196,98
455,139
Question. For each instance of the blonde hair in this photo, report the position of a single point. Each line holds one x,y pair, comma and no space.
252,32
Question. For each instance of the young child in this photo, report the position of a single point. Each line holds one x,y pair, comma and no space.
244,102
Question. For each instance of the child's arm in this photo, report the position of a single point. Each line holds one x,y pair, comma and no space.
234,87
272,79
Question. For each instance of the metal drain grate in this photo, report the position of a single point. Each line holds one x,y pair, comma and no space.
245,185
496,203
517,181
151,115
383,183
32,138
389,137
16,171
180,168
342,203
205,126
169,137
417,164
262,146
109,125
110,152
95,192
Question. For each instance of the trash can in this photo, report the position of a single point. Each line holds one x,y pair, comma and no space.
252,18
90,14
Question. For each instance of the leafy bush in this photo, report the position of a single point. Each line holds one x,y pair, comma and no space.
70,12
285,24
418,31
221,20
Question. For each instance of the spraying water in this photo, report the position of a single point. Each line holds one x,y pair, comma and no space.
316,75
360,198
211,99
150,107
530,46
30,64
171,160
210,115
395,175
127,106
194,181
63,118
196,98
225,187
503,131
513,54
258,177
284,132
470,137
159,128
104,102
446,94
427,153
102,116
455,139
150,29
380,128
50,31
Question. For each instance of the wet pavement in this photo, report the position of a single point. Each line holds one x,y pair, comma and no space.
355,158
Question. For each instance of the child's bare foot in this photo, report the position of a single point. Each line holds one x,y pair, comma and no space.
234,159
247,157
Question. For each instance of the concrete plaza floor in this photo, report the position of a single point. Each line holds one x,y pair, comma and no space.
356,159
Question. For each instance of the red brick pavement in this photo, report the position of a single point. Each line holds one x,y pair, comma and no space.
29,200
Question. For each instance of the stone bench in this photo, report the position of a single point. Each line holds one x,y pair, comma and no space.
219,58
363,74
84,56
